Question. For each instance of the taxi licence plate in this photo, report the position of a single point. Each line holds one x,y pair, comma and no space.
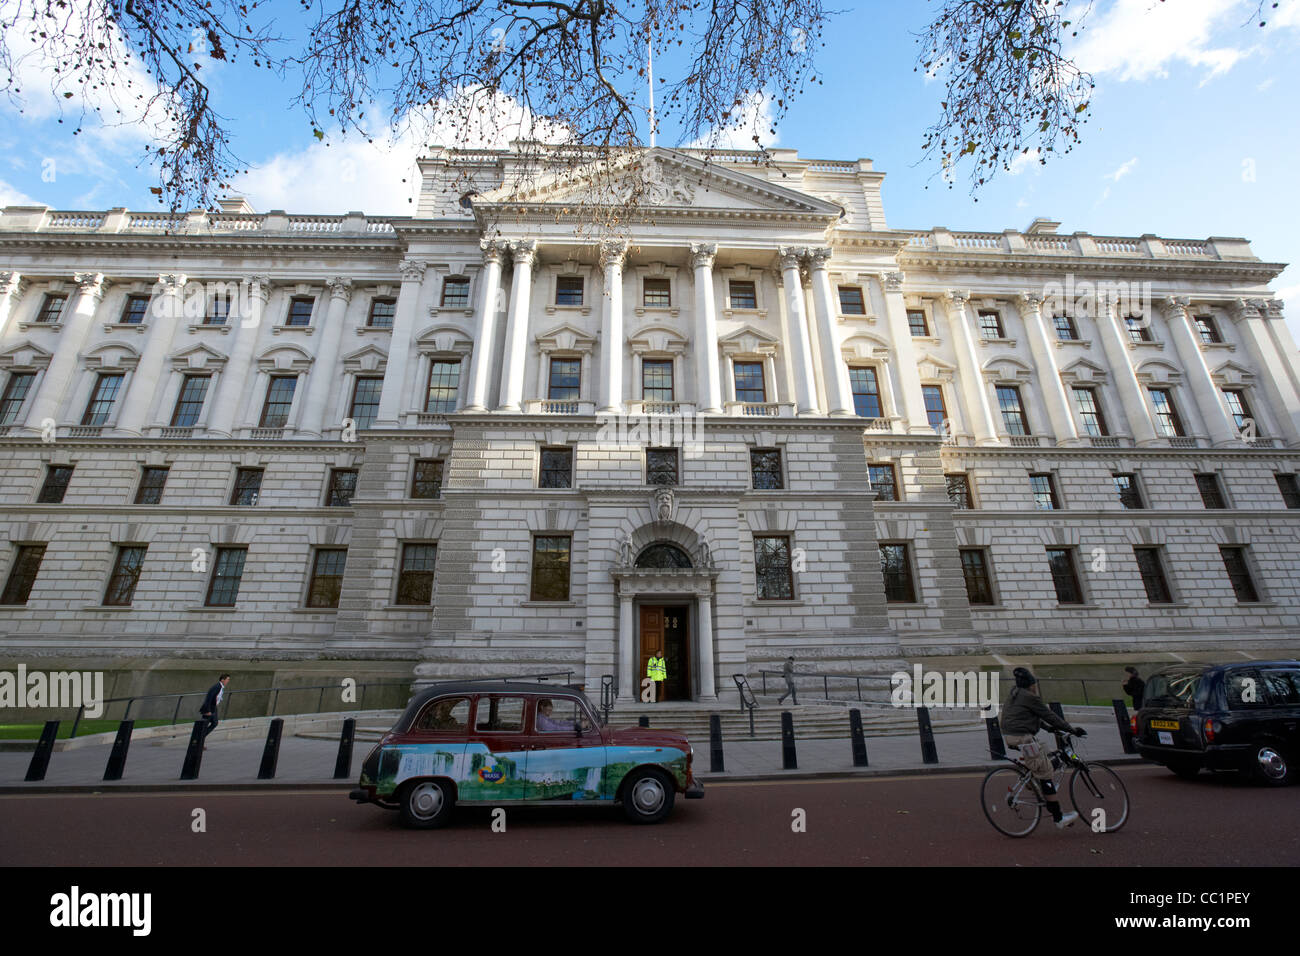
1165,737
1164,724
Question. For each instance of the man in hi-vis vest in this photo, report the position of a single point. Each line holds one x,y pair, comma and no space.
656,669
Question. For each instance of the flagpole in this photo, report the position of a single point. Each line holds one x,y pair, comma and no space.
651,73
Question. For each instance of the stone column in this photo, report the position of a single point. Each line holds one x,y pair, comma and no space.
835,373
91,287
230,399
968,366
165,313
524,253
628,688
612,254
1049,372
706,329
481,363
708,683
393,394
1115,344
323,379
915,420
11,291
1274,377
805,386
1222,429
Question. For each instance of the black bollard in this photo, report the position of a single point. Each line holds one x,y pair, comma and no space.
859,742
1125,726
194,753
715,744
271,752
997,748
929,752
1056,709
643,721
788,761
44,747
117,756
343,765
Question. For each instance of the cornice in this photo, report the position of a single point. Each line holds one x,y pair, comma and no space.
349,244
497,213
961,261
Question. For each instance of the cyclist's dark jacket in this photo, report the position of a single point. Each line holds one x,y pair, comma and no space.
1025,713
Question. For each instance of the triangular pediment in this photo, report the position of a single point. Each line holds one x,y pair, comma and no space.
196,357
660,179
566,338
1081,370
1230,373
748,340
24,355
369,358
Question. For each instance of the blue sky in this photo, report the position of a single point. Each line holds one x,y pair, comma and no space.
1193,133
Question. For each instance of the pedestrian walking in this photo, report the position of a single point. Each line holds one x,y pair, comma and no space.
1134,687
208,709
787,672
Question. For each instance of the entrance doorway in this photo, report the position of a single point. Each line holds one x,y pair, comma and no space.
666,629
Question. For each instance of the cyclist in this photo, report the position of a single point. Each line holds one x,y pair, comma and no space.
1022,716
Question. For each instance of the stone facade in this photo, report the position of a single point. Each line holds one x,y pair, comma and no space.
544,372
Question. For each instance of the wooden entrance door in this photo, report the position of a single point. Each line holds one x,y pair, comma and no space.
652,642
665,632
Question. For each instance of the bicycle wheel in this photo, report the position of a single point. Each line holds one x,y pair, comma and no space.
1010,803
1099,795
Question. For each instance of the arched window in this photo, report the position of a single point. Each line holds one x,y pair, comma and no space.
663,556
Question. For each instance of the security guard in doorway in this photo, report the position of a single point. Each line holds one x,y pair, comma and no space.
656,669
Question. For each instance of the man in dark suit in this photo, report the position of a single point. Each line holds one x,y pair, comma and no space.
208,709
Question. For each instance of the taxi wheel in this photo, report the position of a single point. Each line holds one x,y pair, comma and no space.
426,804
648,796
1271,763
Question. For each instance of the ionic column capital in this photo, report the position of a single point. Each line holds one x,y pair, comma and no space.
1029,301
260,287
893,281
1175,306
412,270
339,287
956,297
172,283
92,284
703,254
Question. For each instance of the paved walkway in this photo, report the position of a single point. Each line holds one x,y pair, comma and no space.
304,762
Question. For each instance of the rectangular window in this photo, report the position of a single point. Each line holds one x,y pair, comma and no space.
661,466
935,412
382,312
455,292
657,293
194,388
133,313
772,570
550,568
152,482
750,386
959,491
1065,328
248,486
742,294
226,575
884,480
1206,328
300,308
917,323
218,310
327,577
415,579
1064,578
991,325
657,380
1094,423
1234,562
22,576
279,399
866,392
444,386
765,469
1126,487
1211,491
556,469
1139,330
365,401
851,300
1168,423
427,481
974,568
101,401
343,485
897,571
1044,490
1153,575
1290,490
1013,415
51,307
1240,411
125,576
15,393
55,485
568,290
565,379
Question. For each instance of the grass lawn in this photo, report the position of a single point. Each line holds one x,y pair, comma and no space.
87,726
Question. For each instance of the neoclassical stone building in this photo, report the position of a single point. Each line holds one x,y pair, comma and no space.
757,420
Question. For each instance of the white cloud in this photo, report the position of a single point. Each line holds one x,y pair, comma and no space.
755,120
1141,39
1123,170
1023,160
11,196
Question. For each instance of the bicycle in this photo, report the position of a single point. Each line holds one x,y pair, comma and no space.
1013,800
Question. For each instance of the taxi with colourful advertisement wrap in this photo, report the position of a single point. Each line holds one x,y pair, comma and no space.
506,743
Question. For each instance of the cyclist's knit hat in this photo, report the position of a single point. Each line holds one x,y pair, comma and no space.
1023,677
